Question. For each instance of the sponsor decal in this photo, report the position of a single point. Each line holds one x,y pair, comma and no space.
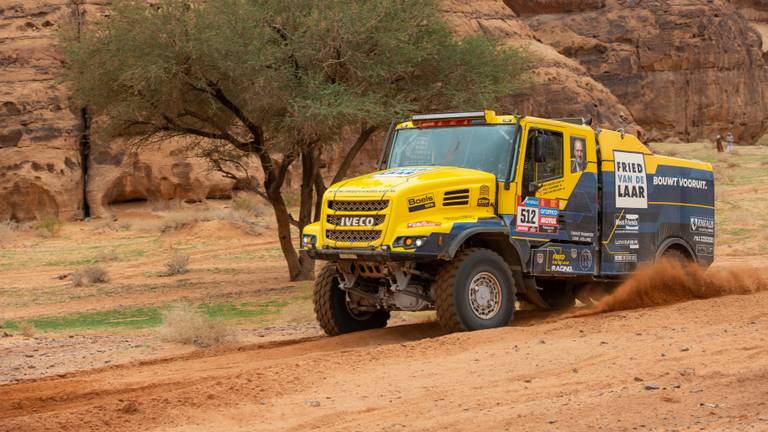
574,253
421,202
421,224
630,223
462,217
582,236
680,182
630,176
561,263
631,243
585,259
547,220
551,187
402,172
531,202
540,258
705,250
356,221
549,212
484,200
625,258
562,268
702,225
704,239
537,215
346,190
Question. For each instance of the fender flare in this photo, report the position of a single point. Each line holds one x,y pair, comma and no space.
459,240
670,241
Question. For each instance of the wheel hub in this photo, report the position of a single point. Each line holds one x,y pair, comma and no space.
484,295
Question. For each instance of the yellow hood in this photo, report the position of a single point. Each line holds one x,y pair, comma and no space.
424,178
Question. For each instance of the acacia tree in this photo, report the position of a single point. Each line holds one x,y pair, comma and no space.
277,81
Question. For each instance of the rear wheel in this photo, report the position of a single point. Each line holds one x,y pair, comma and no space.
475,291
677,256
333,311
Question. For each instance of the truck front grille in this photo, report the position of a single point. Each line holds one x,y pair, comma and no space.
353,236
358,206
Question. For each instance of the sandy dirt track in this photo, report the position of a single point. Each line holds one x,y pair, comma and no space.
696,365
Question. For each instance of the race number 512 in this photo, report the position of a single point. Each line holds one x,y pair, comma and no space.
528,216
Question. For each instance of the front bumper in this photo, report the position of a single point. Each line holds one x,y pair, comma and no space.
368,255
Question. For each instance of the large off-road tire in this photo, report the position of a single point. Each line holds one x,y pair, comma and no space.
332,311
475,291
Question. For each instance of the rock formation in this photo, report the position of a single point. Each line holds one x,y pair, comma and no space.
685,70
45,142
666,69
559,87
40,172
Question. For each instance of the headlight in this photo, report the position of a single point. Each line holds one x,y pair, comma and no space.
409,242
308,241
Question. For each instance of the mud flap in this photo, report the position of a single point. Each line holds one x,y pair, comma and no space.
530,292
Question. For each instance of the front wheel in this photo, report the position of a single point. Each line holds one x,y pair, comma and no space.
333,311
475,291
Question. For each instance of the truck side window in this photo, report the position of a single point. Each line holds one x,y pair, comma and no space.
552,166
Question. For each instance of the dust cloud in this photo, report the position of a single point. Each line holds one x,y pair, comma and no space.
669,281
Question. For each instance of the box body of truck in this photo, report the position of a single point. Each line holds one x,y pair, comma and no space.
563,206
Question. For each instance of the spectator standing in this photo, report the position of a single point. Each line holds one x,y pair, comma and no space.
719,143
729,141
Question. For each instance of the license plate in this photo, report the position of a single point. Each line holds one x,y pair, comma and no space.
348,256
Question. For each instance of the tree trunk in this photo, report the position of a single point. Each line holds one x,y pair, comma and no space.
310,169
320,189
298,268
362,138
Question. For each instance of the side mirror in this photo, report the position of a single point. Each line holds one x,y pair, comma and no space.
533,187
539,143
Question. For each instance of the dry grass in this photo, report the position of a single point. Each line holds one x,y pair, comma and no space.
246,216
107,255
187,325
244,204
26,329
177,264
7,232
47,227
93,274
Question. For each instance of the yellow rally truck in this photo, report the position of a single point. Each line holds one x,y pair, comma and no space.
471,213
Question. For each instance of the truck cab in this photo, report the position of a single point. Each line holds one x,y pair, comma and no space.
473,212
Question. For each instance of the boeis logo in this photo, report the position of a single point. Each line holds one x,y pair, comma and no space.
421,202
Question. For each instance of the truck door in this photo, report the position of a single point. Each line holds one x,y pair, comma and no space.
557,197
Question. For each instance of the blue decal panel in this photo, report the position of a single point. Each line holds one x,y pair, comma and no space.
680,205
563,260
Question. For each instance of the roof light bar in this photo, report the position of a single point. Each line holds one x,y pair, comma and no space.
477,115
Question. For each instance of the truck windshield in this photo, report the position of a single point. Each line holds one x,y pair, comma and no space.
484,148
